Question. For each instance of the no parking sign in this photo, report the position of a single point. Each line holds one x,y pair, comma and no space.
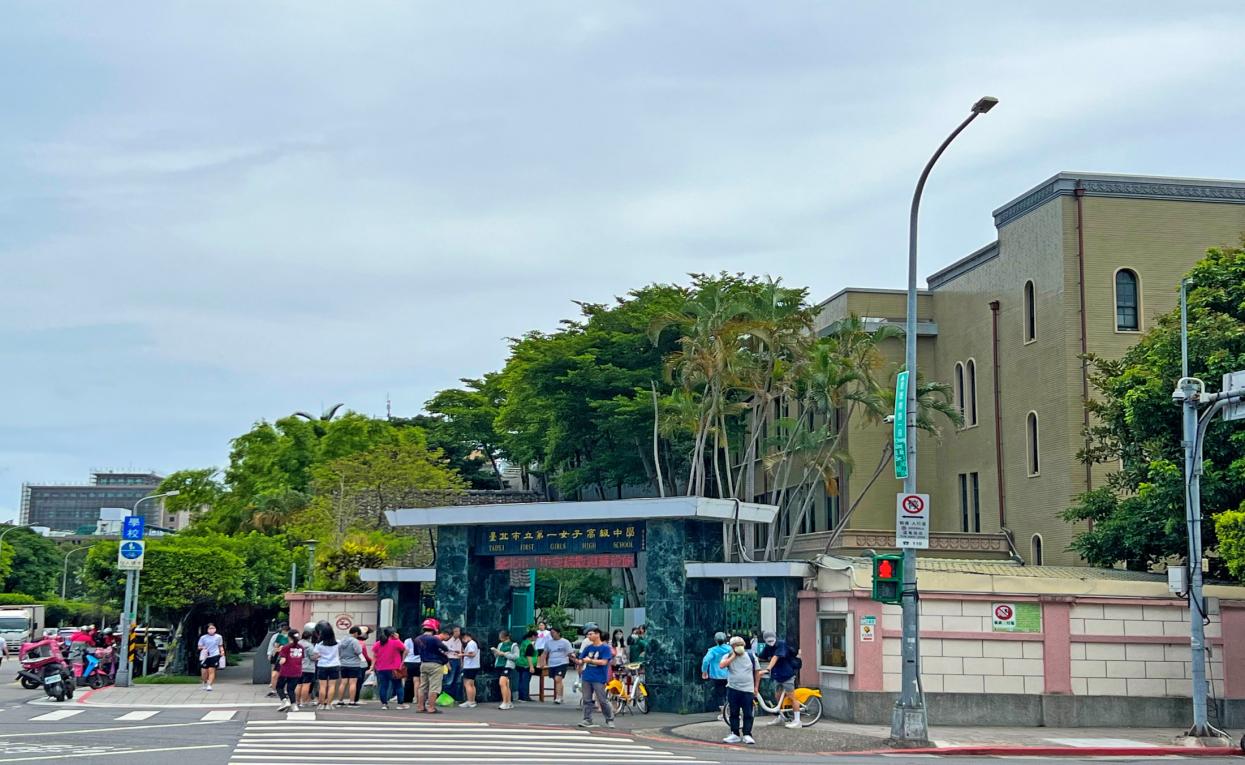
912,521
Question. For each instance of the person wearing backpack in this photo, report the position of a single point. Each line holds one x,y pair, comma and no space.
782,670
743,683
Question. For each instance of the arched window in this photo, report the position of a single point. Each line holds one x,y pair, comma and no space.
1127,301
959,387
1030,313
971,391
1036,549
1031,442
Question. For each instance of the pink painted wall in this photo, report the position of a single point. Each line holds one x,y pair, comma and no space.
1057,645
809,649
1233,616
868,658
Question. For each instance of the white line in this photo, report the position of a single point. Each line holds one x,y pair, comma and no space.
143,715
350,748
59,714
75,731
501,757
300,716
220,715
119,751
370,725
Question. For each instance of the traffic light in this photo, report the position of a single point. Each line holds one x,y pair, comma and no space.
888,579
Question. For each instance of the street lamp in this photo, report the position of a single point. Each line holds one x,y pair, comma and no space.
129,606
311,560
65,569
909,721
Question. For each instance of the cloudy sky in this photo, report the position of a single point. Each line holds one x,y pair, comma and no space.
212,213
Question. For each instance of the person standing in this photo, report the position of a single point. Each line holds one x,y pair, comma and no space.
390,652
618,644
471,668
637,644
328,665
412,691
306,686
526,666
782,671
594,659
432,660
505,655
289,665
351,651
743,682
211,648
710,668
279,639
367,662
454,678
557,659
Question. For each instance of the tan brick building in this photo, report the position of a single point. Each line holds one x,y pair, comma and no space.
1083,263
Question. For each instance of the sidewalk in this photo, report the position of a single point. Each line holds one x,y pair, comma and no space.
233,689
828,737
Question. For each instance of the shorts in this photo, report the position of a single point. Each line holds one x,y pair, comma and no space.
787,685
328,673
211,662
275,661
470,674
558,671
308,678
506,672
349,673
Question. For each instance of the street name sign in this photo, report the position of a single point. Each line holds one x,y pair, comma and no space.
901,425
912,520
130,555
132,527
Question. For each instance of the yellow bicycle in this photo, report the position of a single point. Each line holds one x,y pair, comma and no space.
626,691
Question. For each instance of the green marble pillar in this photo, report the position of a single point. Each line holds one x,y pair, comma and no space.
681,614
785,590
406,598
470,593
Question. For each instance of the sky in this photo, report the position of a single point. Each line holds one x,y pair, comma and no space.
216,213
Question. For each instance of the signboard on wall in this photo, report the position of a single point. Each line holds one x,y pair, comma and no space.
868,629
586,537
1016,617
527,562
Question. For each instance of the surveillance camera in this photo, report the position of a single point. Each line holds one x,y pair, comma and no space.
890,418
1178,394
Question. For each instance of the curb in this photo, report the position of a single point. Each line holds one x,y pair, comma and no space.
989,750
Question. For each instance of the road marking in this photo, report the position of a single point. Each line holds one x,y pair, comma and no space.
115,752
219,715
135,716
111,729
301,716
59,714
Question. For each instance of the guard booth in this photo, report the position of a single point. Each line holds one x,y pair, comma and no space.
679,541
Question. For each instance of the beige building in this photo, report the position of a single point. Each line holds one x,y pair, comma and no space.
1083,263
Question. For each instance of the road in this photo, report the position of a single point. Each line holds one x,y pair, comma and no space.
44,733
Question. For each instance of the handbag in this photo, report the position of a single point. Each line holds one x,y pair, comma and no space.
400,672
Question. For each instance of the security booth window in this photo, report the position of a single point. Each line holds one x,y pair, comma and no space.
832,639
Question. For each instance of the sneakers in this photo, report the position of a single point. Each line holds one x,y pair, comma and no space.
749,740
794,724
609,723
271,694
468,705
732,739
777,721
587,724
384,706
293,707
403,706
507,706
284,706
207,687
557,700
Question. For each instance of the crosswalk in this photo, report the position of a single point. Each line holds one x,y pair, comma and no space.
351,743
216,715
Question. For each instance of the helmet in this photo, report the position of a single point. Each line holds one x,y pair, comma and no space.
108,630
431,624
308,628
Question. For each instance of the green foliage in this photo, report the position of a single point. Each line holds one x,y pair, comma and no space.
71,613
167,680
339,569
1230,528
571,588
30,563
198,490
464,421
1138,517
180,572
16,599
556,617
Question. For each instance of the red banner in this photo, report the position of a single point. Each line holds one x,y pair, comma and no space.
611,560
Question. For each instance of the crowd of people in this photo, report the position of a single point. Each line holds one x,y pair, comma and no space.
313,666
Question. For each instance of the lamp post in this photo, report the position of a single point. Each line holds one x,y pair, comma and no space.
909,722
311,562
65,570
129,606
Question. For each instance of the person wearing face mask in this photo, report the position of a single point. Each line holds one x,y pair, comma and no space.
710,669
211,646
743,682
781,669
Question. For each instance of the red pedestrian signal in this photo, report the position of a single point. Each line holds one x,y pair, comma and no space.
888,579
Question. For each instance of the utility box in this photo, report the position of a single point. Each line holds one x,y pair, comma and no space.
1178,579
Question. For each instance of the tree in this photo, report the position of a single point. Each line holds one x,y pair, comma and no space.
466,417
339,569
197,491
1137,517
30,564
572,588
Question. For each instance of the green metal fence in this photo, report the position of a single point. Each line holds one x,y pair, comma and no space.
742,611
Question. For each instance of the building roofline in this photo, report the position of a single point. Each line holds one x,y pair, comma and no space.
963,265
866,291
1121,185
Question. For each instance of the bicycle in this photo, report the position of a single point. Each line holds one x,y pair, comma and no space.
626,691
809,700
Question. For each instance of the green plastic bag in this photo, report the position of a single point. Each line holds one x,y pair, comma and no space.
445,700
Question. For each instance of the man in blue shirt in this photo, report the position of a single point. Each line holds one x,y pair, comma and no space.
781,671
709,669
594,661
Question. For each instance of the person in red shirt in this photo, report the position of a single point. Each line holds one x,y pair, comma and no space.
289,672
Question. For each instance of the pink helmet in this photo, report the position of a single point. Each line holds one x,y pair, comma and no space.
431,624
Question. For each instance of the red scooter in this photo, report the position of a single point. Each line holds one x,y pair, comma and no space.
44,666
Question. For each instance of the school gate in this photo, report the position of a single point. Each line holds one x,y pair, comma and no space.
680,539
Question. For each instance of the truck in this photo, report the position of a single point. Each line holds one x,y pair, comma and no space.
20,624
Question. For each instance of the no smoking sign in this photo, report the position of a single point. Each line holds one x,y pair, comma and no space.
1004,616
912,521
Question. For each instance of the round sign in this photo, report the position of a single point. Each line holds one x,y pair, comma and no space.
1003,612
344,622
913,505
131,550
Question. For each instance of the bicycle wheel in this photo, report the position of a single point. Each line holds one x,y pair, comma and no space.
811,712
617,703
640,699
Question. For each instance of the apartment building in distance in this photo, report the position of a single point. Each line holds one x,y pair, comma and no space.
76,507
1083,263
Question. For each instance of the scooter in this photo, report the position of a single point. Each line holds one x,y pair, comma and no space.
94,671
43,665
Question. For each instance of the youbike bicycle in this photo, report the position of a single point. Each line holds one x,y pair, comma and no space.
626,691
807,699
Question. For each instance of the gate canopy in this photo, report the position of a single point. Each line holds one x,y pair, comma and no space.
667,508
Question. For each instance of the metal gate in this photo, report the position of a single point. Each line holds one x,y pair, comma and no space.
742,612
